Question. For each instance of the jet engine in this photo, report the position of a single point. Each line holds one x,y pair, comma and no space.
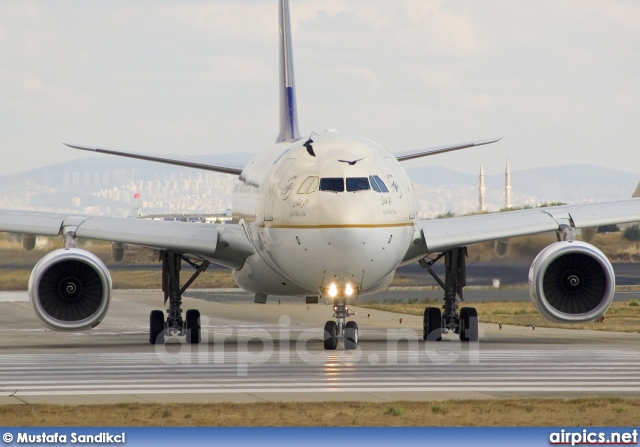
571,282
70,289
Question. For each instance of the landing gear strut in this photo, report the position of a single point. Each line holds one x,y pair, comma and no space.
335,330
435,322
174,323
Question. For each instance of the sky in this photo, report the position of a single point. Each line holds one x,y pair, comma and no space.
559,80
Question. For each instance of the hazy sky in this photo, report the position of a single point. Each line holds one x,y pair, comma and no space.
560,80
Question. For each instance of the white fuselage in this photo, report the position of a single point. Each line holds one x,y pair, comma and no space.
343,215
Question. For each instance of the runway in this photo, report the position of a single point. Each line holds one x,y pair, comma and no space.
274,352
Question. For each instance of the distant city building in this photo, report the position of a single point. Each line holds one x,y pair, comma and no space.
193,192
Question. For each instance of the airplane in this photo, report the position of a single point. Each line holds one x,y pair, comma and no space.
326,216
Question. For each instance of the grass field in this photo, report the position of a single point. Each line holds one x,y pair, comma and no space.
525,248
18,279
16,263
521,249
621,316
504,413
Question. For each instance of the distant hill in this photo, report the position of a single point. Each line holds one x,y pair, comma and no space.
569,183
107,185
52,174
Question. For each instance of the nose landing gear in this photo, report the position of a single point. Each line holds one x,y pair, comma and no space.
341,329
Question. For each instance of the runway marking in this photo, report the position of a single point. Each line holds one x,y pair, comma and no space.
12,297
504,371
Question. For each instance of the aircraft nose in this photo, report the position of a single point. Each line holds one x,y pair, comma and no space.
348,210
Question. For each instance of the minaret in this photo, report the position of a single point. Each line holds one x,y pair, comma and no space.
507,186
481,196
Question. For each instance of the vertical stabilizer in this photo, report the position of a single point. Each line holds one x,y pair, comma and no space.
288,106
636,193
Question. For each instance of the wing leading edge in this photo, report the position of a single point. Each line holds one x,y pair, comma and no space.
444,234
226,168
409,155
223,244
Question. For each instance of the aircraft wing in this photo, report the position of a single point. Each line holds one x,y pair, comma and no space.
439,235
223,244
226,168
409,155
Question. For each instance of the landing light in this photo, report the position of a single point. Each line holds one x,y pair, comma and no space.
333,290
348,290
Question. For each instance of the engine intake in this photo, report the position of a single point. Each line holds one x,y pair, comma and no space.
571,282
70,289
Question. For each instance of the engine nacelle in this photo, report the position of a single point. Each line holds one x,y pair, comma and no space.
571,282
70,289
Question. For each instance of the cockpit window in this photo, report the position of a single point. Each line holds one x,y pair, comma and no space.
314,185
332,184
377,184
309,185
374,185
357,184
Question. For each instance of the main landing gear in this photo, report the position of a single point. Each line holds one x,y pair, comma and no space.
174,323
339,329
435,322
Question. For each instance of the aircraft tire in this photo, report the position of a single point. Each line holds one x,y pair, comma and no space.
351,335
193,326
331,335
468,324
432,324
156,327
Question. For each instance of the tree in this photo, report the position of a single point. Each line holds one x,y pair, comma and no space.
632,233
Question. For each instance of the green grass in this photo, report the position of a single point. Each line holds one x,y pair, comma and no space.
394,410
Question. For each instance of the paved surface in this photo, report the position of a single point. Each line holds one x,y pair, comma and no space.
274,352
